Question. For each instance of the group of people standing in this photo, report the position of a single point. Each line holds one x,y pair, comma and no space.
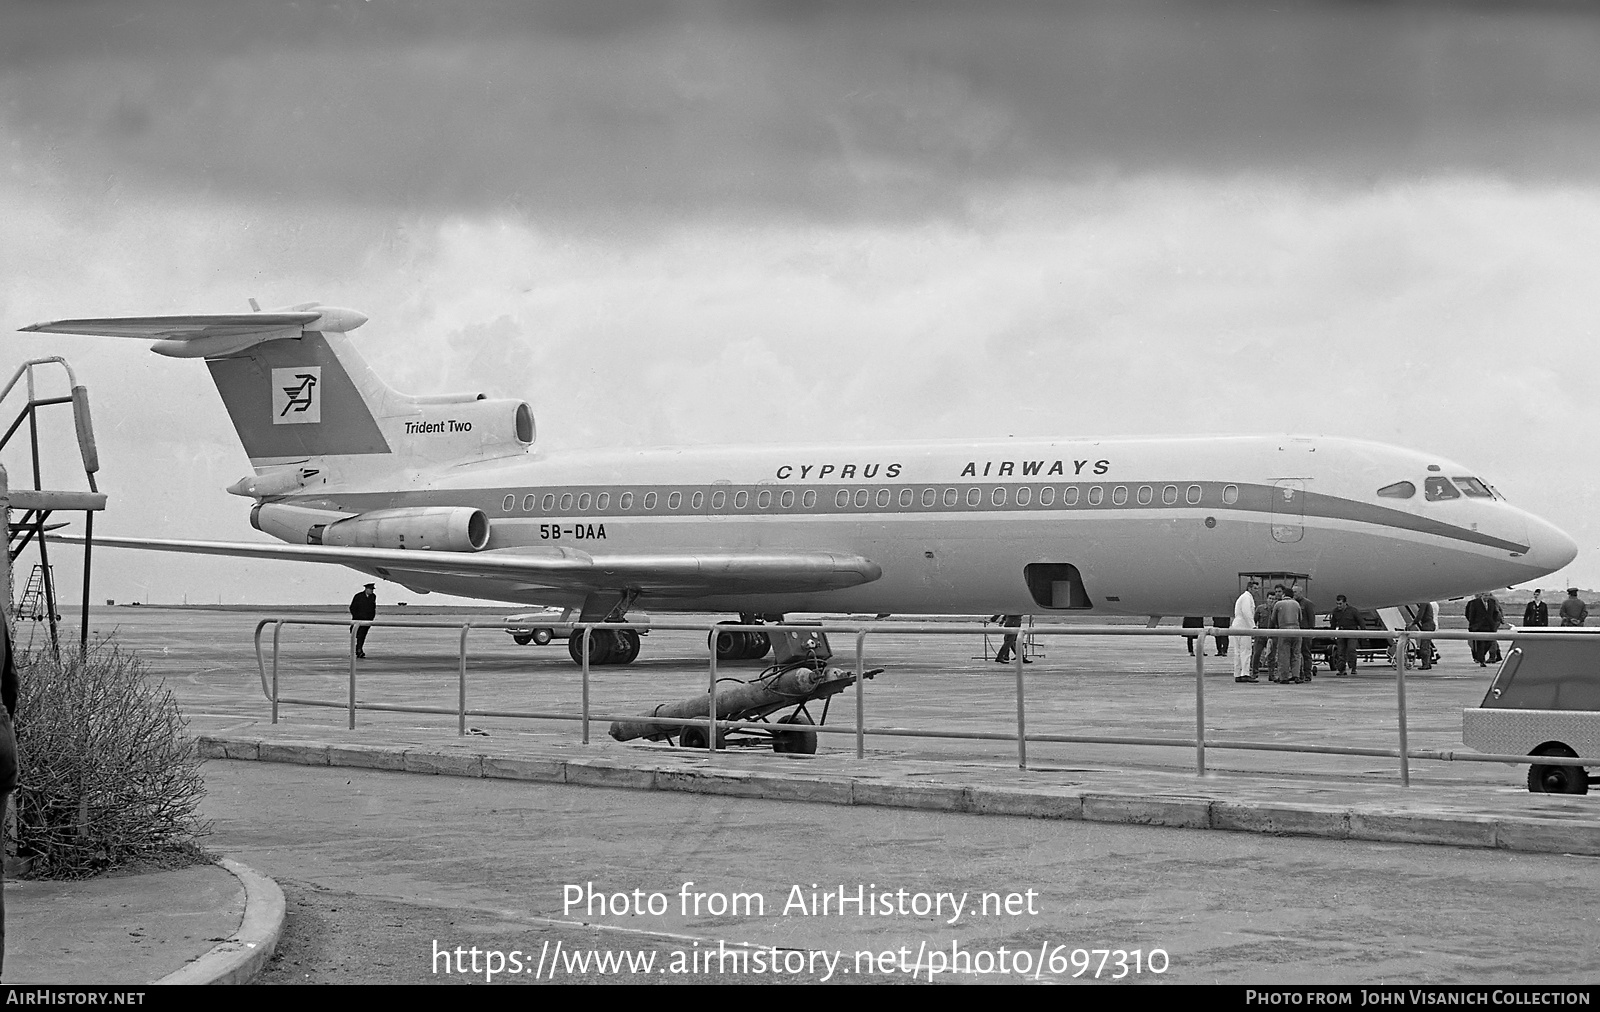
1287,658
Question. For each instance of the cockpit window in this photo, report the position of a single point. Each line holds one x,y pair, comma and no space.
1399,490
1474,488
1440,488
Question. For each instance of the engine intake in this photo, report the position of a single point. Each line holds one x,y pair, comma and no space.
420,528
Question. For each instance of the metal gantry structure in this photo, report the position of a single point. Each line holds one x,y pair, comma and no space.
38,503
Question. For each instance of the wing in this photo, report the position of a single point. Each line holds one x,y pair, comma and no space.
564,569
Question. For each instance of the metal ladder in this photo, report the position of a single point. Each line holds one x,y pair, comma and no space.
36,599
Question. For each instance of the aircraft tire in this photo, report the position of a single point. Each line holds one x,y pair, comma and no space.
731,646
1557,779
795,742
522,639
601,643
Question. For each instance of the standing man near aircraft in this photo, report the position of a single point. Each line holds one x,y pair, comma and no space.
1008,646
364,608
1573,610
1286,615
1537,613
1308,620
1244,617
1344,651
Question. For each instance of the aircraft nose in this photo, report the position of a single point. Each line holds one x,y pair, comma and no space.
1549,547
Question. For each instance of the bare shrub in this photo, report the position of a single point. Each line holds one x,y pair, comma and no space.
108,776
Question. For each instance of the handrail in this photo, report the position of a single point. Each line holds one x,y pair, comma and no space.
716,727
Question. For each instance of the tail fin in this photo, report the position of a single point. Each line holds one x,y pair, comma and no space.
298,391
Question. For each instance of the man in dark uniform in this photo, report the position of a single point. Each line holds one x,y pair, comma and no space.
8,754
1483,615
1537,613
1008,646
364,608
1308,620
1344,651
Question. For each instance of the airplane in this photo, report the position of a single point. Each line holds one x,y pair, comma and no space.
453,493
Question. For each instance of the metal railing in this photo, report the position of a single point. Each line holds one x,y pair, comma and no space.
715,727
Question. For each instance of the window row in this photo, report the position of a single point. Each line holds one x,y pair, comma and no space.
862,498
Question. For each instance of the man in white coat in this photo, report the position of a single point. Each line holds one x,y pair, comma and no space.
1244,617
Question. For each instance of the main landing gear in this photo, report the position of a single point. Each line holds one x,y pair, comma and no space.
744,646
606,646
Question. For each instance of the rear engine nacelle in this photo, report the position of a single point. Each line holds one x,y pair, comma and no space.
420,528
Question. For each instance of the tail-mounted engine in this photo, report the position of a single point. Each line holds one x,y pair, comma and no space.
418,528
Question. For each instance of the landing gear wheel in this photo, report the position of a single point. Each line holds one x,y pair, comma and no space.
757,646
627,646
601,647
731,646
795,742
542,636
522,639
1557,779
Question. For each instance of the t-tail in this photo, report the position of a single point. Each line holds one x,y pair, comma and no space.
309,410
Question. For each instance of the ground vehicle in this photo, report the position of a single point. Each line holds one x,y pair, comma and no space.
1544,700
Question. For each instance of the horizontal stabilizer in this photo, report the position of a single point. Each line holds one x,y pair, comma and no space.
211,335
566,569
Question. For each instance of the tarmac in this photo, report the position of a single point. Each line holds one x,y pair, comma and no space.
221,923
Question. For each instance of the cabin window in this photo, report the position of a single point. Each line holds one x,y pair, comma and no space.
719,499
510,503
649,500
566,502
1193,495
527,503
998,496
974,497
1024,496
883,497
741,499
1435,489
1399,490
626,501
583,501
763,501
1069,495
1146,495
906,497
949,497
1119,495
1169,495
1230,494
787,501
1047,496
841,498
1096,494
602,500
930,497
809,499
696,500
674,500
861,498
1474,488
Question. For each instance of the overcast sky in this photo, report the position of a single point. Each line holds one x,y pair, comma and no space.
703,222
